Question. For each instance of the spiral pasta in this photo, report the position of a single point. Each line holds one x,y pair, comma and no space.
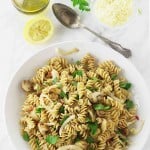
84,105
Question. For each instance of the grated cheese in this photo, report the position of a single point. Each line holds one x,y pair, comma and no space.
114,12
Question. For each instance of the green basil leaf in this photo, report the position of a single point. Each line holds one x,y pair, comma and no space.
92,89
93,126
78,137
74,83
118,132
88,120
77,97
77,72
55,80
123,139
64,119
125,85
101,107
63,94
60,85
129,104
46,83
38,110
62,109
90,139
52,139
114,76
25,136
78,62
37,142
95,79
37,87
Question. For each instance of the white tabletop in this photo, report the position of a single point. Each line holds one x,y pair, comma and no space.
15,50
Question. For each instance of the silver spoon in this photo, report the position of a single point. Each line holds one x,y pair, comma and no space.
69,18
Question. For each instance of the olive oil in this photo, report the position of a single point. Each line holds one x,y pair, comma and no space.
30,6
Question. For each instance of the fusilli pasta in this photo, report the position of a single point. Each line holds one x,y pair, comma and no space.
82,105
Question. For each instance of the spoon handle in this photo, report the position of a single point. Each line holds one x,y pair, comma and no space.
116,46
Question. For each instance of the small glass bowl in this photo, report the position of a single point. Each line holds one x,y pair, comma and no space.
30,6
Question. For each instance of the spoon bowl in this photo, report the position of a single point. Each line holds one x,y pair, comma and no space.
66,15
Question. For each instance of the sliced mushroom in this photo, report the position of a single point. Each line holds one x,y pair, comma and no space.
42,128
34,115
27,85
65,123
91,113
82,144
94,97
55,74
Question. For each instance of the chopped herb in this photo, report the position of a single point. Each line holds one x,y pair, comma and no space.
37,87
55,80
60,85
125,85
121,132
63,94
74,83
77,97
93,126
101,107
90,139
55,102
118,132
123,139
95,79
64,119
88,120
52,139
129,104
114,76
46,83
37,142
77,72
92,89
25,136
38,110
78,138
139,11
62,109
78,62
82,4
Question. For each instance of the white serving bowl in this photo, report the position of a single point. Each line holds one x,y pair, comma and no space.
15,96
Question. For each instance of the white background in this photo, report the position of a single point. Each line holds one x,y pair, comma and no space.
14,49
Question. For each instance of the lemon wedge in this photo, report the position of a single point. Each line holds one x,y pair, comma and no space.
38,30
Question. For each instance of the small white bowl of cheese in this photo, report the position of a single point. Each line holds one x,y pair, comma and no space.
114,14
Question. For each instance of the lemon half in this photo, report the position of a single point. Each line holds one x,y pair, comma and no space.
38,30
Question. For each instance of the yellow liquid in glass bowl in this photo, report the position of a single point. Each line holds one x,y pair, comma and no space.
30,6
